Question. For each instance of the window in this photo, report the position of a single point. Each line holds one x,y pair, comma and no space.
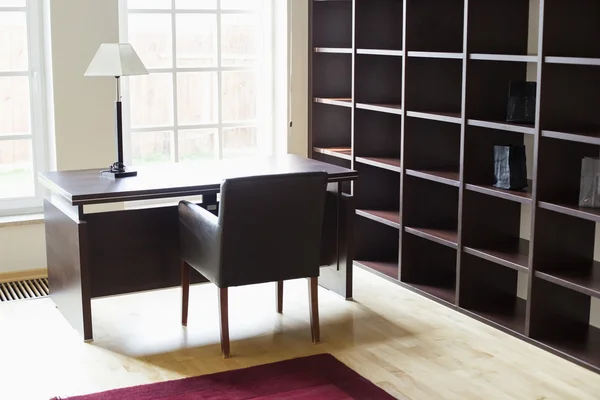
210,88
21,106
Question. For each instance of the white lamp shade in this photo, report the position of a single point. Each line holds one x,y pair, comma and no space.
116,59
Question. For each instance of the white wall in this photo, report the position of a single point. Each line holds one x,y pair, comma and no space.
83,106
22,247
298,139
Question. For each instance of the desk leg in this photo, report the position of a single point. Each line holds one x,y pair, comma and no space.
68,277
337,244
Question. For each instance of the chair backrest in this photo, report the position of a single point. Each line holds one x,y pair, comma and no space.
271,227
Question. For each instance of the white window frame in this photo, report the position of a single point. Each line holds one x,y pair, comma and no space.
38,111
266,119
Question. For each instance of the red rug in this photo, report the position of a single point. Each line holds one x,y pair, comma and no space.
318,377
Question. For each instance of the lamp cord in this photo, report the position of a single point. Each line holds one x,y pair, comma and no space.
115,167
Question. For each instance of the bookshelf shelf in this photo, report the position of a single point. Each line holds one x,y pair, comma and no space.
414,95
390,218
380,52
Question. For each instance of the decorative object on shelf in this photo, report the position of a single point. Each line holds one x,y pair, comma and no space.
521,102
588,187
510,167
117,60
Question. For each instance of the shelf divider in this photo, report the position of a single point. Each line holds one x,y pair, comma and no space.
389,269
520,196
589,137
506,254
380,52
594,62
385,108
436,54
389,163
339,152
332,50
453,118
446,177
530,58
591,214
445,237
575,276
389,218
337,101
504,126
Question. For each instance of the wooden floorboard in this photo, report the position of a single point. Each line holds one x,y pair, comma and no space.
412,347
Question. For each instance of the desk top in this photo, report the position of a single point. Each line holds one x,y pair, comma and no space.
171,180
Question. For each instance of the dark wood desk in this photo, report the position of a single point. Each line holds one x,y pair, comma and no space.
93,253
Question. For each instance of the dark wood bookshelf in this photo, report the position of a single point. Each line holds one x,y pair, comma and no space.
573,60
520,196
333,50
505,126
391,218
435,54
340,152
592,214
581,347
446,237
510,254
413,94
453,118
380,52
389,269
444,291
393,164
531,58
384,108
583,277
506,316
342,102
591,137
446,177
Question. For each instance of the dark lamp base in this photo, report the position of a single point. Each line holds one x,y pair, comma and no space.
120,171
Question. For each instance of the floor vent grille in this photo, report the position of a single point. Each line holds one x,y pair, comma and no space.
22,290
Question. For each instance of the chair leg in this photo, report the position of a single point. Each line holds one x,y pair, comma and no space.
313,297
185,291
223,309
279,297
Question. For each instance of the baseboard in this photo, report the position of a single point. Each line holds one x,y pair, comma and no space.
23,275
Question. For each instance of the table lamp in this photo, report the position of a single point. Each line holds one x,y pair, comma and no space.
117,59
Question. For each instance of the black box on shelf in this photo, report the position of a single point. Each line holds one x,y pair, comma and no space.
510,167
521,102
588,187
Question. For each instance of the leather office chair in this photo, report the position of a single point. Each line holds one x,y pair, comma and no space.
268,229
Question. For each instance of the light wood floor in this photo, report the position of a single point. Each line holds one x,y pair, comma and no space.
410,346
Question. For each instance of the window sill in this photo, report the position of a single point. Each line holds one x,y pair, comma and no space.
24,219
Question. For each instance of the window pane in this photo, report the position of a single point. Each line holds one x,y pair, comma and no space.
196,40
149,4
196,4
151,37
16,169
14,105
198,145
152,147
239,95
239,39
240,4
13,41
13,3
197,98
151,100
239,142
